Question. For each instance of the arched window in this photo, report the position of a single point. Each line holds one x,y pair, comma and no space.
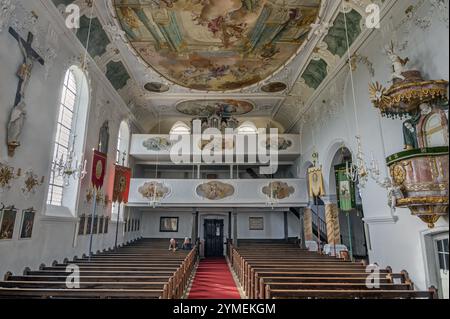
123,147
123,144
69,136
180,128
247,128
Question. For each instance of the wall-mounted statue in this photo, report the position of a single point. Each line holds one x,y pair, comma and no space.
398,64
103,138
18,112
410,133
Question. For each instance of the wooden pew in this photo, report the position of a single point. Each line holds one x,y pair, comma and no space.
280,270
144,269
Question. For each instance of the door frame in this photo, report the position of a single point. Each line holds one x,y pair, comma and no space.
428,239
218,216
220,223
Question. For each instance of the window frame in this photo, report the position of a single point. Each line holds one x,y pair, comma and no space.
82,102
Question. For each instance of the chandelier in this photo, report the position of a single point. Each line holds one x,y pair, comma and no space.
359,171
70,167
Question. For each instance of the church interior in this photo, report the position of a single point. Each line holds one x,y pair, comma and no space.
224,149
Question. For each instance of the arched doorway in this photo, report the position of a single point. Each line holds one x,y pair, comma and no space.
349,204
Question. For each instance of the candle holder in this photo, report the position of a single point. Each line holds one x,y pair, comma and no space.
70,167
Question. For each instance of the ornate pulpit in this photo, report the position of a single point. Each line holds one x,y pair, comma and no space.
420,172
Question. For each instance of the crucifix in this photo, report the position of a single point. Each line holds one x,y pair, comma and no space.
18,112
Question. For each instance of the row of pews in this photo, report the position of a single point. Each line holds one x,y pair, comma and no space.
275,270
145,269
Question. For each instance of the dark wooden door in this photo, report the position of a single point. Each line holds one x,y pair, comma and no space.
213,238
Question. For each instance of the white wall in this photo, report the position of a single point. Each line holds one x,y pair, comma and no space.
151,223
273,224
53,237
394,243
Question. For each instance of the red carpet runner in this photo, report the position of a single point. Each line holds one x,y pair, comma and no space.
213,280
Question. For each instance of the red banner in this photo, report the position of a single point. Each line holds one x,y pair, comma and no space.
122,176
98,169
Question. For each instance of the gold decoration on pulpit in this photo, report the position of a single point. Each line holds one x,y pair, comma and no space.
404,96
398,174
378,94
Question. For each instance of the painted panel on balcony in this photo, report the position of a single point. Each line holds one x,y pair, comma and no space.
215,190
221,193
278,190
148,147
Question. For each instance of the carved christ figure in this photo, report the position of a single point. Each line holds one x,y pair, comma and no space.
18,113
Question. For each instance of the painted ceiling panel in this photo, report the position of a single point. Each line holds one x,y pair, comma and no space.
117,74
218,45
98,39
336,38
315,73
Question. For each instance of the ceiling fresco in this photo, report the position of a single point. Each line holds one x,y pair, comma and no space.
206,108
217,45
193,46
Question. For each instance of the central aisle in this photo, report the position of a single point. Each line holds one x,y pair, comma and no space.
213,280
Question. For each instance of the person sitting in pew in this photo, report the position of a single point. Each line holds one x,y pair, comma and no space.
173,245
187,244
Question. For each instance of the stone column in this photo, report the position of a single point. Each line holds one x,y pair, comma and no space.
307,224
332,221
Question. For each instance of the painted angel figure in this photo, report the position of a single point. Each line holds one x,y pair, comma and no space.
398,64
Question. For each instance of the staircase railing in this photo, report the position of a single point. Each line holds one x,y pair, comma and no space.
322,224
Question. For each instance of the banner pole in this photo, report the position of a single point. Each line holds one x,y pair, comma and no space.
92,223
318,224
117,224
350,236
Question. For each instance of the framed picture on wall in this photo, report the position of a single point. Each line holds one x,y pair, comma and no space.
256,223
168,224
26,230
7,223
